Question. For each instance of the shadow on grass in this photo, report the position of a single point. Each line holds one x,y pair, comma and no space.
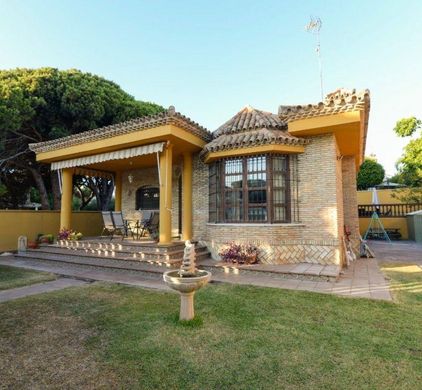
405,281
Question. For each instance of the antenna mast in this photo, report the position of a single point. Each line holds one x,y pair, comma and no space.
314,27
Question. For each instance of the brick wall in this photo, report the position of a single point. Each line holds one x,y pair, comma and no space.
199,198
318,180
350,200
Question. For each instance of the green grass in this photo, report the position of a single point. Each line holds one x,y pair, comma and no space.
11,277
113,336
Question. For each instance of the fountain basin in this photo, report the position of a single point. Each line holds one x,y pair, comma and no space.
186,284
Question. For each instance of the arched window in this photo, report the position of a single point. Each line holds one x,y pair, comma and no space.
147,198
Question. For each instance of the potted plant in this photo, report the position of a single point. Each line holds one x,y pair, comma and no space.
46,239
69,234
32,245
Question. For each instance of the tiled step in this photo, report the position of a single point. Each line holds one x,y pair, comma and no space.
103,255
169,257
126,245
126,248
141,268
73,251
302,271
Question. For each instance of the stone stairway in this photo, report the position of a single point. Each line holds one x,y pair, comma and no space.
149,260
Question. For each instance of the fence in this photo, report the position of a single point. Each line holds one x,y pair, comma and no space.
390,210
15,223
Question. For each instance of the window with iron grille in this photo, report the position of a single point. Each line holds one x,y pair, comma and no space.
254,189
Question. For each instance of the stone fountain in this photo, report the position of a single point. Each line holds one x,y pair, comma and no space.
187,280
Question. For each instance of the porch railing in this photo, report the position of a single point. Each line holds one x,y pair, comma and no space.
390,210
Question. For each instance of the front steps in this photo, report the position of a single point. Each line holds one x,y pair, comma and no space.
168,256
150,260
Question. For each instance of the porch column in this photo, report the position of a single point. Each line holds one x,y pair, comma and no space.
118,191
166,171
187,197
66,204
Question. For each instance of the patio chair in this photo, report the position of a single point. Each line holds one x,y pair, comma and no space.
153,224
142,224
108,223
121,225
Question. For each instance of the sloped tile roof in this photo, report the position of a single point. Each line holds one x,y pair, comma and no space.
249,119
254,137
341,100
168,117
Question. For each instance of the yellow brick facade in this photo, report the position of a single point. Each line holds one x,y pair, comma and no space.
318,236
326,196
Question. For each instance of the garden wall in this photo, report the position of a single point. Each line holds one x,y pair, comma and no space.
388,223
384,197
15,223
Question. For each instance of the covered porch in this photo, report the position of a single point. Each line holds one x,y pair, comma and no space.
158,144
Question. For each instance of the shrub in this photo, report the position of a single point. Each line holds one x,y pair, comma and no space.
239,253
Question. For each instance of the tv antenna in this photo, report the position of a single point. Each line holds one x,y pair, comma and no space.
314,27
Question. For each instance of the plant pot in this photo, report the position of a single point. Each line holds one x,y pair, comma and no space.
251,259
32,245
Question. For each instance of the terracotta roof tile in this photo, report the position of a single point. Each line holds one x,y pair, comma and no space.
341,100
168,117
255,137
248,119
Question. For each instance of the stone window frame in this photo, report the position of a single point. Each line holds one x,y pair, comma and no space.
217,191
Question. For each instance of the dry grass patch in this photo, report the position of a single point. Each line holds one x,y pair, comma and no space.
12,277
405,281
247,338
42,345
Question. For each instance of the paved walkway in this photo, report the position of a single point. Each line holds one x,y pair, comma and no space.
20,292
362,279
397,251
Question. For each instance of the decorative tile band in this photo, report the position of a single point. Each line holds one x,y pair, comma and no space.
290,251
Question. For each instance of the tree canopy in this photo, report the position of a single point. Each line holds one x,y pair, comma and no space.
370,174
42,104
409,166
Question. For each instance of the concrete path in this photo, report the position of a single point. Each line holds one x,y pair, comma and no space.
39,288
362,279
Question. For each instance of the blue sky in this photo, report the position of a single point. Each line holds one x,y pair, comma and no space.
211,58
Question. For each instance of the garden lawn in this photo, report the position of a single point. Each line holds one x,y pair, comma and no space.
12,277
104,335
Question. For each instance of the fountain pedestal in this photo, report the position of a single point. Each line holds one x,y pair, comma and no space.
187,280
187,311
